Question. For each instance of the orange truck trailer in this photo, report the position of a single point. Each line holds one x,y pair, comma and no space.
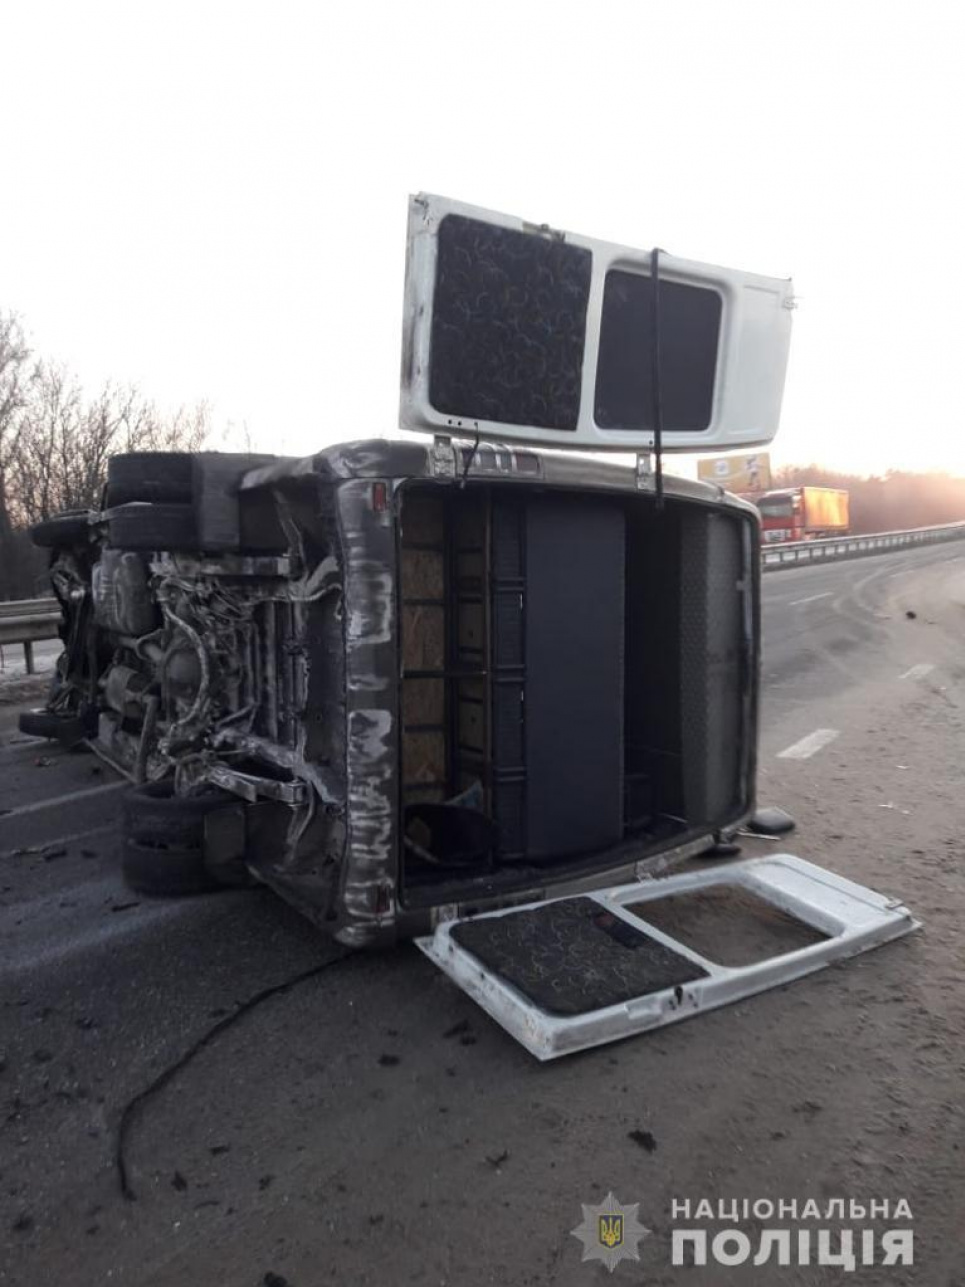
803,513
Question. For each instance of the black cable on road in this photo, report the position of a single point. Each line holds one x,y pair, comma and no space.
133,1106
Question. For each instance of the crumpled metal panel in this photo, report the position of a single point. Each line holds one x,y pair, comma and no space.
397,458
371,703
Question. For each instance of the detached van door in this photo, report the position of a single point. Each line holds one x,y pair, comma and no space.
580,971
517,331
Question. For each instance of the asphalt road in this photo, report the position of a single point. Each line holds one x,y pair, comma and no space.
370,1124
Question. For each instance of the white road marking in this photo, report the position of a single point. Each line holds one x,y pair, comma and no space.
69,936
809,745
30,850
918,672
796,603
62,799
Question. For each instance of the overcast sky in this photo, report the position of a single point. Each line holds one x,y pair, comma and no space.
210,198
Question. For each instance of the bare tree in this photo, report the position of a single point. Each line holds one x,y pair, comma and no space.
56,442
50,429
140,427
66,441
15,386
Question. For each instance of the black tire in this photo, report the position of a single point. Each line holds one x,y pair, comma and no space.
154,814
69,730
165,870
69,528
152,527
156,476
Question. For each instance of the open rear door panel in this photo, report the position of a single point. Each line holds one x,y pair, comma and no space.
581,971
516,331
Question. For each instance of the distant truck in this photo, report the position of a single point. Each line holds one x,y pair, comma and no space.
803,513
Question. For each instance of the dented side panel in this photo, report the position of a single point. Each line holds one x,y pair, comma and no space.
371,701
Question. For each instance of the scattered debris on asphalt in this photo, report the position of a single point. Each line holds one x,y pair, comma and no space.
808,1106
644,1139
457,1029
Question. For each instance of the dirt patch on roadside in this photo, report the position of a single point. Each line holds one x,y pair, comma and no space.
728,925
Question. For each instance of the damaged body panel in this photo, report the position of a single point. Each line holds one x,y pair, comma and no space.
423,690
517,330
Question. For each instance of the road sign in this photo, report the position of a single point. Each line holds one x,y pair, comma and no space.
738,473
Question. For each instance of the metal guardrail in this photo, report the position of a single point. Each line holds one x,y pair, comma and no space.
25,621
793,554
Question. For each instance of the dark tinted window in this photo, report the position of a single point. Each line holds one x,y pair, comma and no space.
508,325
689,330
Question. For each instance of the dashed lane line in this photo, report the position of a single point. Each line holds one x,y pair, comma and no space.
69,798
812,598
30,850
808,746
918,672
